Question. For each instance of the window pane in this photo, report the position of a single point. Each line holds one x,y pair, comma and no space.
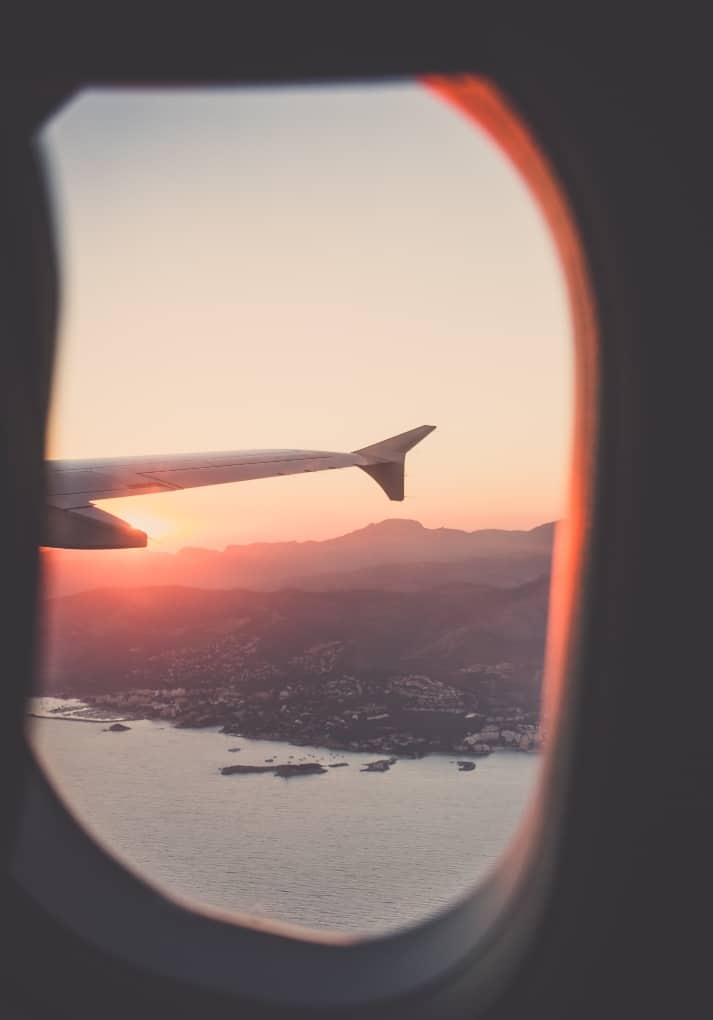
313,268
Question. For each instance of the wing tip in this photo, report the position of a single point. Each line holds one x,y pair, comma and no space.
397,446
389,459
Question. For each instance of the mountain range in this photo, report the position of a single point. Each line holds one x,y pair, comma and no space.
392,555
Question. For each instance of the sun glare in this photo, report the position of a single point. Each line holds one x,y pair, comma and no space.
156,528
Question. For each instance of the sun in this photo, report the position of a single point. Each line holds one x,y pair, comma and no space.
156,528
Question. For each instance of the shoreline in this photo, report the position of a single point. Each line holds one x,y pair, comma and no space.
76,718
313,747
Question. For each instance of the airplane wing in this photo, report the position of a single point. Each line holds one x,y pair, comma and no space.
73,522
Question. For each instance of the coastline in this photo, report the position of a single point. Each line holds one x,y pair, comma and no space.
76,718
398,745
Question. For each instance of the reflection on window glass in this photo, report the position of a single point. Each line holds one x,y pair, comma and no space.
302,700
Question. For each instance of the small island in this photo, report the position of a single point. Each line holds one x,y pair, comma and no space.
285,771
382,765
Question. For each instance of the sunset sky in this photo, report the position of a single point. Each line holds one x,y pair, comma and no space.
314,267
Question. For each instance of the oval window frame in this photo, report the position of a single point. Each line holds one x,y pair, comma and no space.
151,931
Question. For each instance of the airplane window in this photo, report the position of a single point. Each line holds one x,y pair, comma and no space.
302,697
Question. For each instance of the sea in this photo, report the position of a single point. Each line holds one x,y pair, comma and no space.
349,851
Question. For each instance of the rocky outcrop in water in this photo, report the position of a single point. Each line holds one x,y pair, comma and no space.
285,771
308,769
382,765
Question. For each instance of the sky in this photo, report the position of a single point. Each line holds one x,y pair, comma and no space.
313,267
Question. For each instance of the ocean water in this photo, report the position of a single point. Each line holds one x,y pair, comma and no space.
345,851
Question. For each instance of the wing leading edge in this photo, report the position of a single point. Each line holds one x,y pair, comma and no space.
73,522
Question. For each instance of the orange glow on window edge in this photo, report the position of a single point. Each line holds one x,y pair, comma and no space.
481,101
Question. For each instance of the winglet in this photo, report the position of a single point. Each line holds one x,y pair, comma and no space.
388,457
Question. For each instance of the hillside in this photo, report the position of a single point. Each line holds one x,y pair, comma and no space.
116,639
394,638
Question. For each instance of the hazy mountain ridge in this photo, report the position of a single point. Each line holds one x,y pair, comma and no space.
394,554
